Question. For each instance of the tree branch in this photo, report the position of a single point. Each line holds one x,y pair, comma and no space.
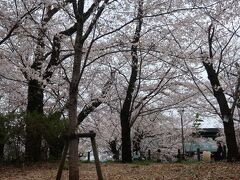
87,109
15,26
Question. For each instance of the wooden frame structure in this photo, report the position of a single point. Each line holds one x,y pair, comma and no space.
90,135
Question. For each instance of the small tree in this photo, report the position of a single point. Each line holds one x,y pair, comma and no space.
54,128
12,136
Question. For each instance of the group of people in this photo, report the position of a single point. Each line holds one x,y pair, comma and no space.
221,152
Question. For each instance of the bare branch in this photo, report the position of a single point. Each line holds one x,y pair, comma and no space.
16,25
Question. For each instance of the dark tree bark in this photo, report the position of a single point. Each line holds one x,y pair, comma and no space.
228,123
226,114
36,89
35,111
1,151
35,104
125,114
126,136
3,134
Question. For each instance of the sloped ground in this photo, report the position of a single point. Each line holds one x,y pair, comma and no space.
117,171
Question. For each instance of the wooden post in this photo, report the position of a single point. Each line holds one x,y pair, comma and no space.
88,156
91,135
198,154
63,158
96,158
149,154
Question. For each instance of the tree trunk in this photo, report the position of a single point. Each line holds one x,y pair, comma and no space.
35,104
218,92
33,131
231,141
126,110
73,143
126,138
73,96
228,123
78,68
1,152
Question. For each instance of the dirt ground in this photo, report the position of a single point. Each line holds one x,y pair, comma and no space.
117,171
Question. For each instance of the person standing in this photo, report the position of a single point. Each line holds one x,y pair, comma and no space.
219,153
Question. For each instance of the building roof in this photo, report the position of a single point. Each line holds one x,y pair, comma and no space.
205,142
209,132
